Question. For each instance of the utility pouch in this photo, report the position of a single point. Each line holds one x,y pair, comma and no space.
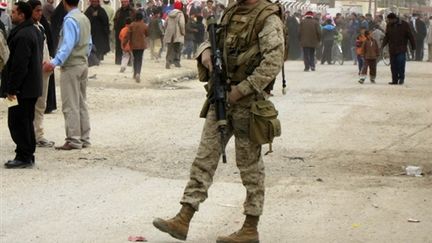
264,125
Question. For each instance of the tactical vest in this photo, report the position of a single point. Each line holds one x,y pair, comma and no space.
238,37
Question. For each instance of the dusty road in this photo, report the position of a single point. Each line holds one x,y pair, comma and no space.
335,175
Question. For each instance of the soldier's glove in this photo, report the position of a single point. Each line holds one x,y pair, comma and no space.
206,60
234,95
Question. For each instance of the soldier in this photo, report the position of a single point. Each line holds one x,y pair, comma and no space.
251,35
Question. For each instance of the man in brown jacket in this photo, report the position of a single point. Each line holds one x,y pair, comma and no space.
397,35
137,41
310,37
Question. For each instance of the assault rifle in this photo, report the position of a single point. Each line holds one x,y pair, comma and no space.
219,88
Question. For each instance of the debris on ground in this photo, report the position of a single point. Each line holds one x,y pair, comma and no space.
137,239
413,220
413,171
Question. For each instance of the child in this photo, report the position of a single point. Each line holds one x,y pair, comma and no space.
125,45
370,52
359,43
156,35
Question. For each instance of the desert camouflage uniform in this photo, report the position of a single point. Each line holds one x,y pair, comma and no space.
248,154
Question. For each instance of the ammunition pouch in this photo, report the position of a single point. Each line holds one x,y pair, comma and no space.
264,125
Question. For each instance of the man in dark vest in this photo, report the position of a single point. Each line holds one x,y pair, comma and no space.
253,28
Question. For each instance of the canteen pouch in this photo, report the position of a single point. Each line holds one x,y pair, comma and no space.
264,125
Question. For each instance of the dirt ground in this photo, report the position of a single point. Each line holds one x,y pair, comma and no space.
336,174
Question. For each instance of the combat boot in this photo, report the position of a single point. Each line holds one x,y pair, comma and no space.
247,234
178,226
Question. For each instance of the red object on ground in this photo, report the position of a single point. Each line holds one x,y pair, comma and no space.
137,239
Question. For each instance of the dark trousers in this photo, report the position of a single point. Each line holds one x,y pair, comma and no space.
51,97
173,53
118,50
372,65
419,52
309,57
360,63
137,61
188,48
327,52
20,122
397,65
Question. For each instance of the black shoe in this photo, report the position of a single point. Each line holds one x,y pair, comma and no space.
167,66
391,83
177,65
313,69
306,70
401,82
12,164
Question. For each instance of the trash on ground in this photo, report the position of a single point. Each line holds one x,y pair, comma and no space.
227,205
355,226
413,171
137,239
413,220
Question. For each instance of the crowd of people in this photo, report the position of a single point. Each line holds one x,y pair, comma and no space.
361,38
172,26
179,29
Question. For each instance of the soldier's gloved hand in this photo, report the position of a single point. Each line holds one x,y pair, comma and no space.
206,59
234,95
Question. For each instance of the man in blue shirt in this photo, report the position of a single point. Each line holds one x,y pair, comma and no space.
75,45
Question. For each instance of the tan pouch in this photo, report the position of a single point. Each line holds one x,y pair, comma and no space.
264,125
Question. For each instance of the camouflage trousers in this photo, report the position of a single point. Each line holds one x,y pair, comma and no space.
248,160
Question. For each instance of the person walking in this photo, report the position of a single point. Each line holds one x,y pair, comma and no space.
248,78
137,40
420,32
155,35
353,32
329,33
174,35
361,38
125,11
110,13
429,40
127,52
370,52
74,48
189,38
397,36
310,37
99,28
293,24
22,83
